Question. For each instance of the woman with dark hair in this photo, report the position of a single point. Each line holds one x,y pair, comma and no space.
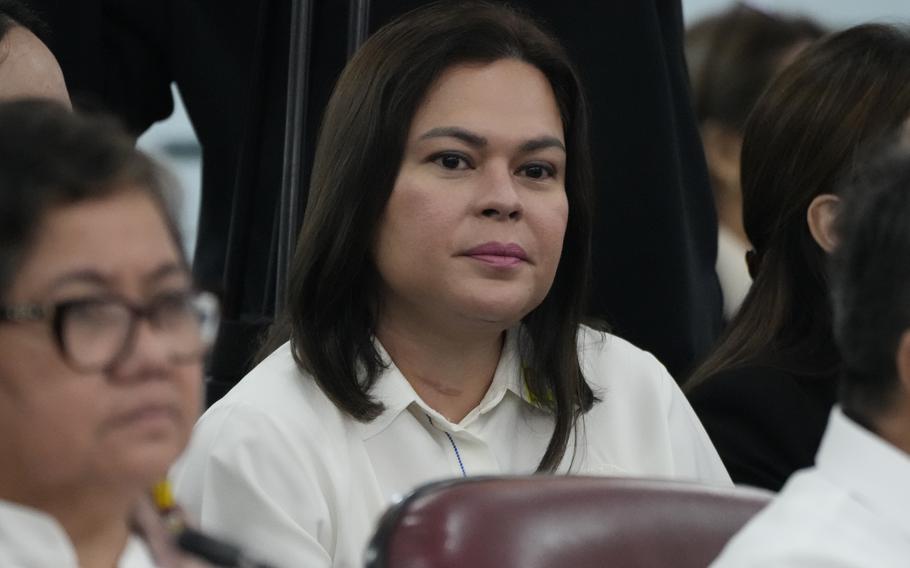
732,57
765,392
101,344
435,304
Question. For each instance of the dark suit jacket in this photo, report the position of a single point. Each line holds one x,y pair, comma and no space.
766,422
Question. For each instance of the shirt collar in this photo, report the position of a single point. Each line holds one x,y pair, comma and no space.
33,538
396,394
867,466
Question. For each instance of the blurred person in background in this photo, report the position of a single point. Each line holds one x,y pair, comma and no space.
852,509
765,392
27,67
732,57
101,344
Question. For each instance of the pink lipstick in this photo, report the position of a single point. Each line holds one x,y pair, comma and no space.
498,254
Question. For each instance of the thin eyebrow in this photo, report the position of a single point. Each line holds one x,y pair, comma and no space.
95,278
87,276
166,270
465,136
542,143
477,141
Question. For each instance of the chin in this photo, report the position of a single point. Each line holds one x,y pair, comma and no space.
148,463
498,316
506,310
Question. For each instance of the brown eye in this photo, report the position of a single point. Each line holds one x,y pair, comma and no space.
451,161
537,171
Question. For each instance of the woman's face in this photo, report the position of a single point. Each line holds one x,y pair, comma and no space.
473,229
122,427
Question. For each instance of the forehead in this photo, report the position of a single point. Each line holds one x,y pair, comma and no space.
122,237
508,98
28,68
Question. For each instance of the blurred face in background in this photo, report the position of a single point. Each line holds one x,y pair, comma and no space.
63,428
29,69
473,230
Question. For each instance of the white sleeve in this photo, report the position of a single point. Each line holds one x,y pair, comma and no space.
243,480
694,455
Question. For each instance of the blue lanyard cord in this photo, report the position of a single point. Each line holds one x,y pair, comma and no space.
454,447
457,455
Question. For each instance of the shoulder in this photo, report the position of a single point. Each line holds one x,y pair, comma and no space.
641,423
600,350
610,363
279,393
747,380
811,523
29,537
766,393
276,415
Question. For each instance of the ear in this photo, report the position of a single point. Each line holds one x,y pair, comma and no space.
722,148
821,216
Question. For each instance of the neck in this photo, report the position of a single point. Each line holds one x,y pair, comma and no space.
893,426
729,212
96,521
450,373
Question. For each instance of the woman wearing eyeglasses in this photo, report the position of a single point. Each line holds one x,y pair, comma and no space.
101,344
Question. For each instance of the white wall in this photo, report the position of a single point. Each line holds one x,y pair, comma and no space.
832,13
173,143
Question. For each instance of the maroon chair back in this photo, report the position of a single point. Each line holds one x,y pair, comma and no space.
550,521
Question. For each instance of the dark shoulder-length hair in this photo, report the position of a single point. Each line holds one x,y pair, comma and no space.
333,282
801,140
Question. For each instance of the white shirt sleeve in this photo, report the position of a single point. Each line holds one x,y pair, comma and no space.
644,424
243,481
694,455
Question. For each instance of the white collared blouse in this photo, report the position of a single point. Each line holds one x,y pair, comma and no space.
276,467
851,510
32,539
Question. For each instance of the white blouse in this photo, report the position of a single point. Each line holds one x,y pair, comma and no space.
32,539
852,510
276,467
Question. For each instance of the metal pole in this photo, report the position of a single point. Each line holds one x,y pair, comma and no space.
295,121
358,24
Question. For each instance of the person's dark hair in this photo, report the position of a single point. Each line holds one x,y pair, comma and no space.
16,13
870,282
51,158
733,55
333,287
800,141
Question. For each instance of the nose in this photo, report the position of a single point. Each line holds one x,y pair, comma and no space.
147,354
498,195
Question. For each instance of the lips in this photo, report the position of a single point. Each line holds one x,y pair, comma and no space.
498,254
154,412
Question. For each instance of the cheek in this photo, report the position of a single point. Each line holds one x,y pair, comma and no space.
57,429
551,222
191,390
415,225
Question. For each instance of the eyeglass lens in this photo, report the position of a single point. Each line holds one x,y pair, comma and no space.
94,333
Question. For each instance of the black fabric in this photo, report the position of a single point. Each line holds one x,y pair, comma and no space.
655,239
229,62
766,422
